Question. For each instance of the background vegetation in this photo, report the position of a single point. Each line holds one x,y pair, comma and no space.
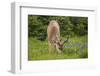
75,27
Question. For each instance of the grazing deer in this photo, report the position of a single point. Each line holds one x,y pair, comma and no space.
54,41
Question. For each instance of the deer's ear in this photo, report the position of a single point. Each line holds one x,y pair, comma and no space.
60,39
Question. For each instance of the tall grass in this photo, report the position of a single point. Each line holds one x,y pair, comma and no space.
75,48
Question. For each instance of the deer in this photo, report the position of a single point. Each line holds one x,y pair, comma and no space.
54,40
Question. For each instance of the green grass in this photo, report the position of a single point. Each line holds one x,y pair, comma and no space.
76,48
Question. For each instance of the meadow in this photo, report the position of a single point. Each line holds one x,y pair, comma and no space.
75,48
73,26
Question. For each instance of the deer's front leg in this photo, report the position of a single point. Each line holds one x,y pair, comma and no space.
58,50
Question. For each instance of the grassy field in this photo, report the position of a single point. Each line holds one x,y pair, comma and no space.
76,48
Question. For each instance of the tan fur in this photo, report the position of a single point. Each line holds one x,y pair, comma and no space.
53,32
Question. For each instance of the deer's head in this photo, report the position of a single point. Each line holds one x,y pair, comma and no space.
60,43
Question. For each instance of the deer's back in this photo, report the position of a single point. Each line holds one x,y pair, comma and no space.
52,31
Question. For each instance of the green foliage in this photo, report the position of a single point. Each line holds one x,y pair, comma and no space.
73,26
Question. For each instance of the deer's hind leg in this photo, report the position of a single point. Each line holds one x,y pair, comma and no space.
51,48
